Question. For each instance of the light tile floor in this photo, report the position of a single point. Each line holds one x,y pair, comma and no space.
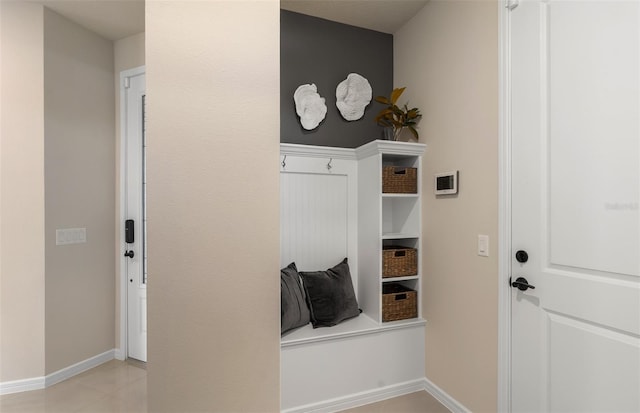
115,386
118,386
418,402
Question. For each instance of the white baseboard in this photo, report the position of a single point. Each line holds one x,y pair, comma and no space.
384,393
17,386
78,368
119,354
444,398
37,383
326,406
360,399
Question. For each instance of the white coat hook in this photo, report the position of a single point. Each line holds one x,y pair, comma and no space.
284,163
329,164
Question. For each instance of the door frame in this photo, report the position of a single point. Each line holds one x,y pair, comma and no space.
122,351
504,205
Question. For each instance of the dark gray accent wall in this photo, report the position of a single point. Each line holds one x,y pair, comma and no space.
323,52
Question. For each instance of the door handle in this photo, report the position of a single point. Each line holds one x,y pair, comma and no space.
522,284
129,254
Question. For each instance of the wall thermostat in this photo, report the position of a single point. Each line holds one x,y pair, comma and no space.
446,183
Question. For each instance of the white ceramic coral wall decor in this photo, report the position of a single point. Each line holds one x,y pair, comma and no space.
309,106
352,96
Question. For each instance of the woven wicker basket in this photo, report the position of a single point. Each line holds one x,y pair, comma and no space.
399,180
399,261
398,302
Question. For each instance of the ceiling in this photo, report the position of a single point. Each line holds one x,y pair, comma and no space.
112,19
116,19
385,16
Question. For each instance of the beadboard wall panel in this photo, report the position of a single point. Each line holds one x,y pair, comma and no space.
318,208
313,220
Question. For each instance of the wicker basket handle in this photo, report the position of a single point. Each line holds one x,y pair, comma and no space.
401,297
401,253
400,171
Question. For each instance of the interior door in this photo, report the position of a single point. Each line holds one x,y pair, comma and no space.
135,228
575,164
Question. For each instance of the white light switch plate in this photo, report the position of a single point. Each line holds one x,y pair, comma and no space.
68,236
483,245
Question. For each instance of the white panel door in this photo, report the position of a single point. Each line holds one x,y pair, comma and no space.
135,210
575,160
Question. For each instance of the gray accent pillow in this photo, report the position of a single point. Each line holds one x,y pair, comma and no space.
330,295
294,312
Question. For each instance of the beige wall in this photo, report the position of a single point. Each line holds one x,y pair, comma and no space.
79,187
128,54
213,205
447,55
22,192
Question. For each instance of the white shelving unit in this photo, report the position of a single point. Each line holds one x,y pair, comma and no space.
386,219
332,206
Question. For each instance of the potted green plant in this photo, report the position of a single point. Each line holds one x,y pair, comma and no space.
397,118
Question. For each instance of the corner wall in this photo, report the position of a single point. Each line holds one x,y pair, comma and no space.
213,205
79,186
447,56
21,192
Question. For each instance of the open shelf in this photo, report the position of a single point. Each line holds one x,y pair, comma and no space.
400,235
385,195
396,279
400,215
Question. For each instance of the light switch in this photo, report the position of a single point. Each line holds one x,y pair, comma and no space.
483,245
68,236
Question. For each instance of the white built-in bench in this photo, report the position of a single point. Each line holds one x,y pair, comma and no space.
354,363
323,203
361,325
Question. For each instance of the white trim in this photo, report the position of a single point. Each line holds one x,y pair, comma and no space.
360,399
444,398
365,326
364,151
293,149
75,369
383,393
504,210
390,148
17,386
121,350
37,383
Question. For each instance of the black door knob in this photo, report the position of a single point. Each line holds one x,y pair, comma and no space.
129,254
522,284
522,256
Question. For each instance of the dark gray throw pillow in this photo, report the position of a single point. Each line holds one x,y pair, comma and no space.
330,295
294,312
